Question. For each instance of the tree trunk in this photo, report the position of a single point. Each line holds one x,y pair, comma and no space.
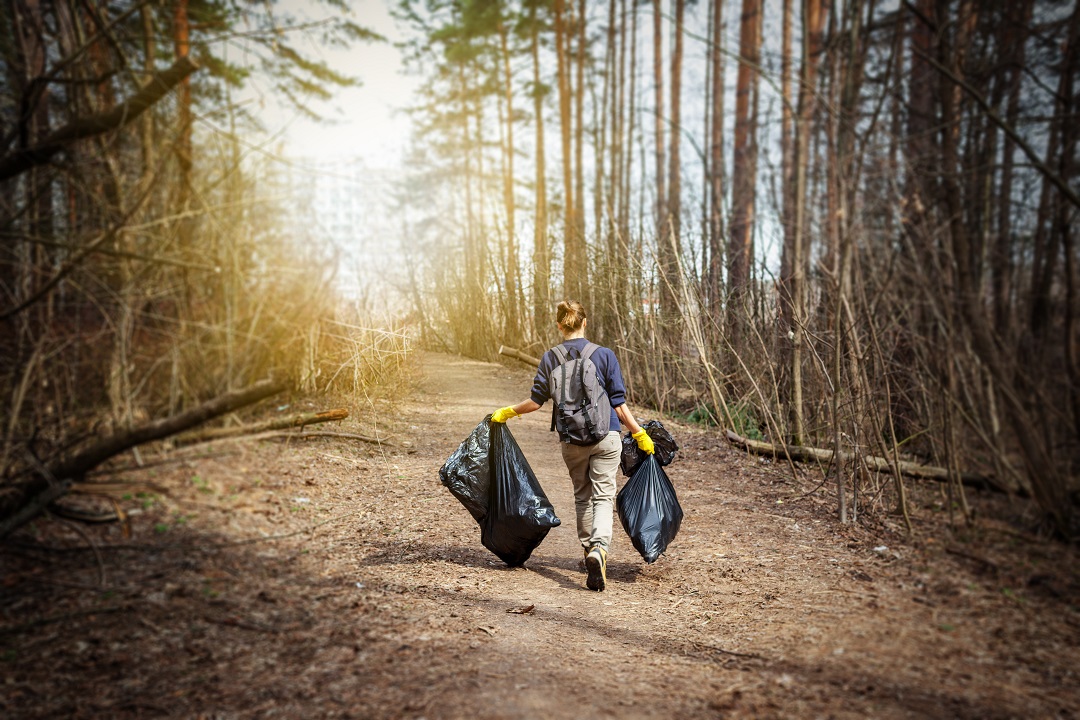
628,136
1044,261
513,325
814,16
472,255
790,383
744,170
29,28
1065,213
1002,264
920,127
669,240
716,164
842,178
706,157
580,284
616,266
658,78
541,258
787,160
146,127
570,271
182,45
1047,481
604,153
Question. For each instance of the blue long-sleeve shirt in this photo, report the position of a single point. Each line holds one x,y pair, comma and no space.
607,366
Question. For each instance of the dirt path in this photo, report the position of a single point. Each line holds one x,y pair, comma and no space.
323,579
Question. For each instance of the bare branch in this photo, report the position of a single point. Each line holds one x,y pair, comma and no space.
20,161
1042,167
54,480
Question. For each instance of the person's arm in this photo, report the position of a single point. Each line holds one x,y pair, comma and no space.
536,398
636,431
627,418
616,390
512,411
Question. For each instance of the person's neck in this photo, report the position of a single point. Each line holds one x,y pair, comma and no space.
574,336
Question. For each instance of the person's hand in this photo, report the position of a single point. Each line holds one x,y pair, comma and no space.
644,441
503,414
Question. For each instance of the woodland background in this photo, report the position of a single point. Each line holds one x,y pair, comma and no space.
848,225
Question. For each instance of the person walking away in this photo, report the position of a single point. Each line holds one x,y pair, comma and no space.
585,384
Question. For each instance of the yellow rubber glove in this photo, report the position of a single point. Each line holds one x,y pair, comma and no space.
503,414
644,441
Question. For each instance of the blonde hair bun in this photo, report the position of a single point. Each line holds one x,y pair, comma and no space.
569,315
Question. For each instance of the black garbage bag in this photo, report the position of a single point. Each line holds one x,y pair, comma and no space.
632,455
519,513
467,472
649,510
490,476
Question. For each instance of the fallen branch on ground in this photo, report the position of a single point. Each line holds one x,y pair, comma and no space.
50,482
518,355
298,420
345,436
878,464
300,435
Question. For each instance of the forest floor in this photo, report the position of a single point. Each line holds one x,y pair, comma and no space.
328,578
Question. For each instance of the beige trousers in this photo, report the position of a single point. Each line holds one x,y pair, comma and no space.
592,470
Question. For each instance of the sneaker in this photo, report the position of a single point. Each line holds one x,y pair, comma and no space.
596,565
581,563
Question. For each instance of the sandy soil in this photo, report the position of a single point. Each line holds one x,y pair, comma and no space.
329,578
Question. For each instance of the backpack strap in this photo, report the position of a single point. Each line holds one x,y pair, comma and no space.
557,403
588,350
586,353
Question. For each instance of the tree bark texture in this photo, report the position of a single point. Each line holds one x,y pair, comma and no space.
716,165
541,259
744,170
562,41
670,246
513,304
659,120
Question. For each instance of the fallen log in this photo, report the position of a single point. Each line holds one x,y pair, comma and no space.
28,499
346,436
293,421
878,464
518,355
301,435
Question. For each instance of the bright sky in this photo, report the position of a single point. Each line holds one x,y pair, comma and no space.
365,120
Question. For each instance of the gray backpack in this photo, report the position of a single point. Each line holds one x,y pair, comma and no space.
582,410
